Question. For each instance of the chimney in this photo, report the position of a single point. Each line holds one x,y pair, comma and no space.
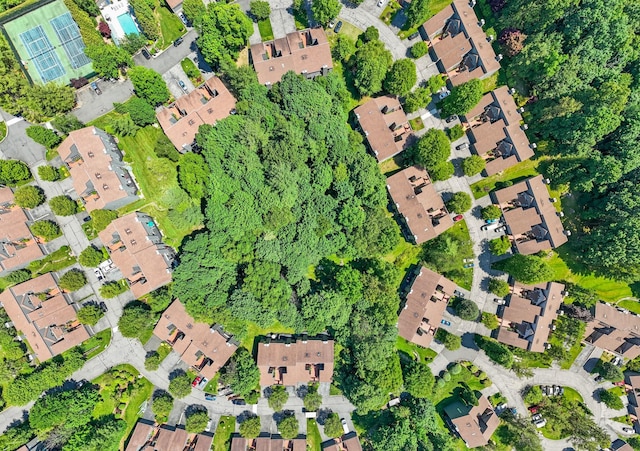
534,146
561,214
525,127
490,38
521,109
512,91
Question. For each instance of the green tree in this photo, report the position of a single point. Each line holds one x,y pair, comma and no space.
401,77
66,123
466,309
289,427
370,34
43,136
419,49
29,196
69,408
417,13
90,314
500,246
333,426
41,102
102,218
460,202
197,421
260,9
91,257
490,321
371,61
159,299
46,229
250,428
473,165
73,280
141,111
124,126
449,340
225,31
526,268
146,19
49,173
278,397
161,406
152,361
443,171
180,385
136,318
417,99
519,432
13,171
533,395
610,372
454,133
194,10
499,287
98,435
462,98
491,212
241,373
133,42
165,148
432,149
610,399
18,276
418,379
343,48
497,352
63,205
467,395
193,174
108,60
149,85
312,400
325,10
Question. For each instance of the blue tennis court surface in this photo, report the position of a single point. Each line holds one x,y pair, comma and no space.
69,35
42,53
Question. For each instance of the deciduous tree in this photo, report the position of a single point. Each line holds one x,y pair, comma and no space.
90,314
250,428
149,85
460,202
197,421
260,9
473,165
462,98
44,136
371,61
325,10
401,77
63,205
73,280
29,196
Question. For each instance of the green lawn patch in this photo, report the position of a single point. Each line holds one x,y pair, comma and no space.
517,173
416,124
89,231
497,399
171,27
192,71
55,261
572,395
212,385
347,29
266,32
253,330
390,11
412,350
532,359
222,437
625,419
313,436
3,130
334,391
96,344
448,260
618,391
631,305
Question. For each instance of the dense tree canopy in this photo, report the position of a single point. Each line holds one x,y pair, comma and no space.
526,268
260,9
63,205
432,149
462,98
371,61
29,196
401,77
325,10
149,85
225,30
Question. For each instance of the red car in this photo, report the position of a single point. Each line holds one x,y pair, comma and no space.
458,218
196,381
533,409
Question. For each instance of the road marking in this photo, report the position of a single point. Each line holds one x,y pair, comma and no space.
15,120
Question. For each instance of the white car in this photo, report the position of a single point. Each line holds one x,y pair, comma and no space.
444,93
344,425
380,3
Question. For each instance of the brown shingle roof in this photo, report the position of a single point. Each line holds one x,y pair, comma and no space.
17,245
198,345
290,361
475,424
386,132
620,445
169,439
140,436
615,331
419,203
207,104
348,442
527,318
270,443
304,52
531,217
95,163
50,325
426,302
135,246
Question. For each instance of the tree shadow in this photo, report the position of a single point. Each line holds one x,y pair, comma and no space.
194,408
322,415
176,373
246,415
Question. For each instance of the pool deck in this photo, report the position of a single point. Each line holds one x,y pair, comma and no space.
111,12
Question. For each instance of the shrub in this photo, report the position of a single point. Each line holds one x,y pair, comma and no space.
180,386
152,361
490,321
197,421
417,99
441,382
29,196
473,165
49,173
90,314
73,280
449,340
419,49
455,369
91,257
102,218
161,406
436,83
13,171
46,229
136,318
466,309
491,212
112,289
533,395
63,206
18,276
497,352
66,123
455,132
446,376
250,428
498,287
500,246
459,203
260,9
43,136
462,98
443,171
610,399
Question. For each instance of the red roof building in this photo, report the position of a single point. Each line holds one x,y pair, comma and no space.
616,330
269,443
17,245
474,424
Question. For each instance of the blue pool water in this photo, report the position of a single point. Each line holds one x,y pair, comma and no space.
127,24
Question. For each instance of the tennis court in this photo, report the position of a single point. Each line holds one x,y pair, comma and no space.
49,44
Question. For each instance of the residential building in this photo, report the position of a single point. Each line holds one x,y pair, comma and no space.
268,443
620,445
526,319
425,304
417,201
135,246
290,361
148,437
496,131
459,45
533,224
385,126
348,442
614,329
207,104
633,395
17,245
43,316
100,176
306,52
474,424
204,348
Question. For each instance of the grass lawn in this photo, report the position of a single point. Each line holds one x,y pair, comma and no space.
253,330
416,124
435,6
403,255
390,11
347,29
55,261
96,344
631,305
313,436
212,385
625,419
334,391
490,83
3,130
426,355
572,395
192,71
532,359
451,266
517,173
222,437
171,27
618,391
157,178
266,32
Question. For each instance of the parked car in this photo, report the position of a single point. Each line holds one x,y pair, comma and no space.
500,229
183,18
98,274
536,417
451,118
103,307
628,430
146,53
414,36
467,260
380,3
443,93
338,27
599,378
617,360
345,427
462,146
95,88
540,423
458,218
491,221
196,381
545,390
445,322
177,42
210,397
499,301
239,402
534,409
468,265
332,24
182,85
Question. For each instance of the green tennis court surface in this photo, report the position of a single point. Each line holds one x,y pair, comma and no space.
49,44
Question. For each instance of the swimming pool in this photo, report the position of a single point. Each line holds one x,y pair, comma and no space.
127,24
